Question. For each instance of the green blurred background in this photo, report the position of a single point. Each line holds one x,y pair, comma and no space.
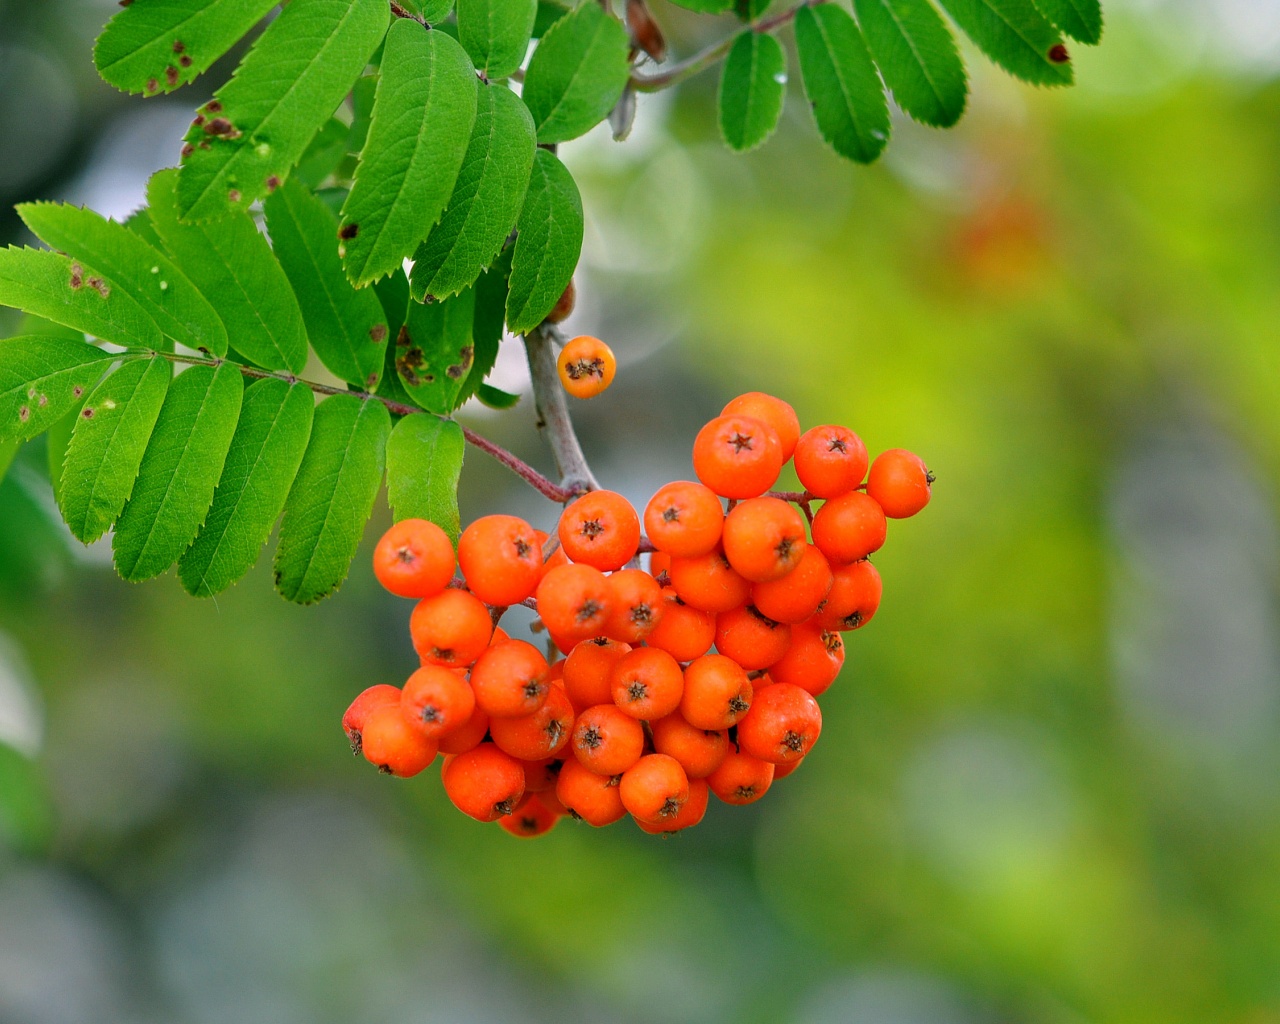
1048,785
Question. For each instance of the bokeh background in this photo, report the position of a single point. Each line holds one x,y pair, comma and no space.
1049,781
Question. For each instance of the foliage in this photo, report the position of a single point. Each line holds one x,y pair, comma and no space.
432,157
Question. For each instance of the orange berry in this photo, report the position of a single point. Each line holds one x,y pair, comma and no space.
484,783
541,734
607,740
741,778
849,527
557,557
530,820
600,529
830,461
854,597
357,712
510,679
564,305
390,741
466,736
450,629
737,456
637,605
541,775
750,639
900,482
683,518
437,700
813,660
647,683
548,797
588,671
764,539
654,788
593,798
783,724
692,813
797,595
574,602
501,558
773,411
781,771
683,632
699,751
414,559
716,694
708,582
587,366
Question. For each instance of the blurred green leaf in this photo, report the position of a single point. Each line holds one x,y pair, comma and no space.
753,85
496,398
8,450
1014,35
548,243
496,33
424,462
917,57
41,378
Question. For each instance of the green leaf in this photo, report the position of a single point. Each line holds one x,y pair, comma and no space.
139,222
750,10
76,295
323,155
577,73
548,243
706,6
422,117
346,327
487,324
8,450
266,451
1016,36
841,83
106,447
1080,19
496,398
753,85
56,441
246,140
434,11
332,497
41,379
424,461
155,47
136,267
496,33
393,293
435,350
549,12
179,470
486,198
917,57
230,262
362,94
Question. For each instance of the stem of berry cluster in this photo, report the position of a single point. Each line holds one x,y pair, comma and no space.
553,412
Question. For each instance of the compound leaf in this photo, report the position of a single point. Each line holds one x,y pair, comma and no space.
43,377
753,85
1015,35
496,33
424,461
435,350
548,243
917,57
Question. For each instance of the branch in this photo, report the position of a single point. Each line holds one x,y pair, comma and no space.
713,54
518,466
553,412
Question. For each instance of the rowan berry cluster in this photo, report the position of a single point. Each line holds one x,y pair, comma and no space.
634,712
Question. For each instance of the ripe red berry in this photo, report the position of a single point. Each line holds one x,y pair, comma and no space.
647,683
530,820
900,482
484,783
357,712
751,639
797,595
830,461
699,751
600,529
737,456
655,788
391,742
774,411
764,539
708,582
684,518
414,559
637,605
588,671
741,778
574,602
607,740
466,736
813,660
783,724
692,813
682,631
716,694
593,798
538,735
501,558
450,629
854,597
587,366
437,700
849,527
510,679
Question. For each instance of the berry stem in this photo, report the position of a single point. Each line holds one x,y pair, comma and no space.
522,469
713,54
553,413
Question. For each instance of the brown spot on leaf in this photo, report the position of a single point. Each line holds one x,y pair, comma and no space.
199,120
213,107
125,3
77,391
185,61
43,401
24,414
409,364
402,339
179,46
187,150
370,381
273,183
99,286
87,413
77,275
171,75
204,145
1059,54
233,196
378,333
152,85
222,128
348,231
459,369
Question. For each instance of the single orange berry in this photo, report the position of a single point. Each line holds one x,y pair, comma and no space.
530,820
600,529
437,701
682,631
849,528
588,671
607,740
699,751
830,461
588,796
764,539
741,778
414,559
501,558
716,694
684,518
510,680
466,736
900,482
783,724
541,734
587,366
796,596
854,597
737,456
813,660
654,788
357,712
541,775
647,683
692,813
637,605
484,783
773,411
390,741
749,638
708,582
574,602
450,629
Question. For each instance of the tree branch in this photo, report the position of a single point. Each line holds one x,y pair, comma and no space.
713,54
553,412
